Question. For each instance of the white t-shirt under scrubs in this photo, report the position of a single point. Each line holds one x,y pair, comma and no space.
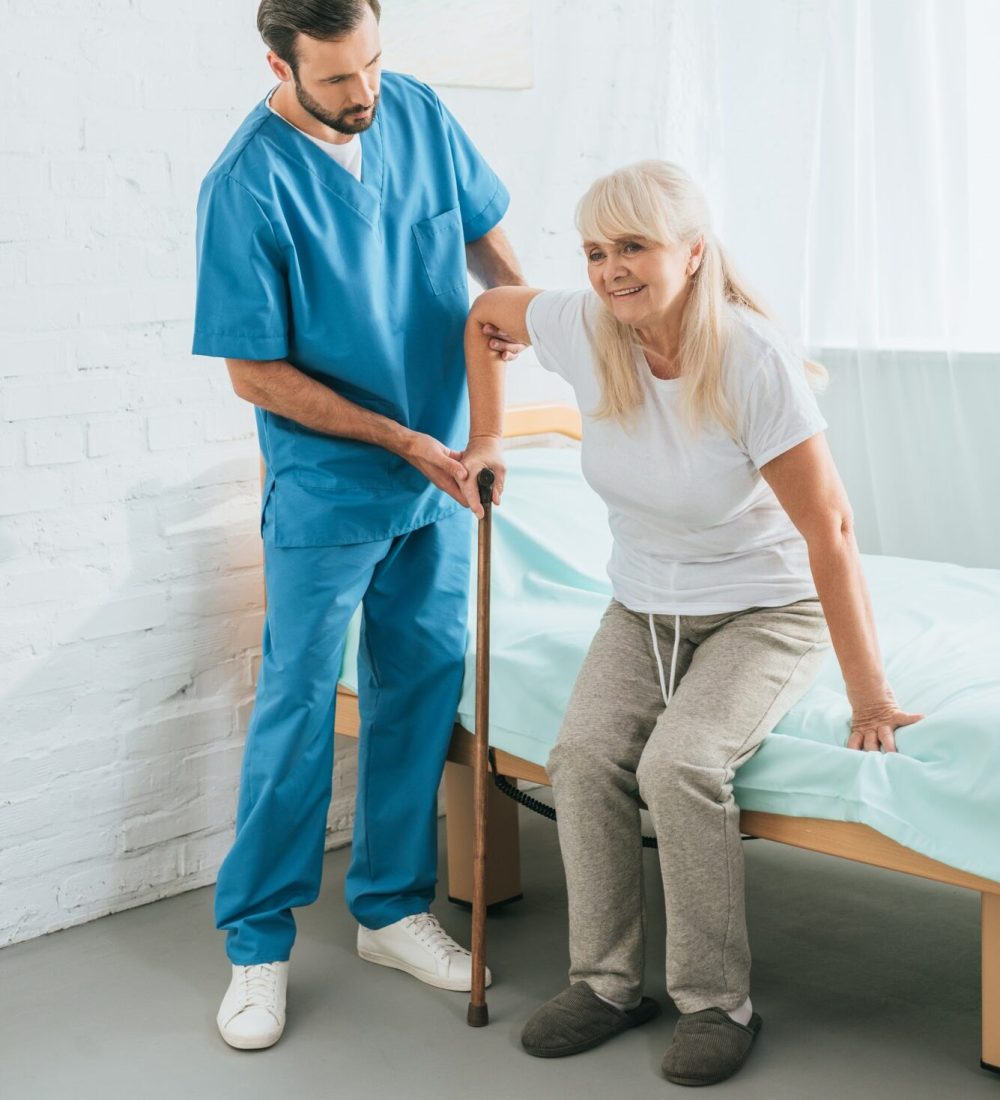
697,530
347,154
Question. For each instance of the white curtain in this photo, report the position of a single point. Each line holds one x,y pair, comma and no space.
870,213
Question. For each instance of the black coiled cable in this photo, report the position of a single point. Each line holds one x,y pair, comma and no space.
523,799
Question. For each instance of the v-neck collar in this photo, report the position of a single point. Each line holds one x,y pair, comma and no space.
364,196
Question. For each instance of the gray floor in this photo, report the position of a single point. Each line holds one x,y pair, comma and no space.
867,982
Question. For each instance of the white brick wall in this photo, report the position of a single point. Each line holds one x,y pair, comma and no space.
130,581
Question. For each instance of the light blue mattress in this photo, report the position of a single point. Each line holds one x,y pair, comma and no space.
939,626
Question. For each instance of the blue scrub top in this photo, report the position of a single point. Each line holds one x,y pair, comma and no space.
362,286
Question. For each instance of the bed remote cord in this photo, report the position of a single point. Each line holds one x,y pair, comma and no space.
533,804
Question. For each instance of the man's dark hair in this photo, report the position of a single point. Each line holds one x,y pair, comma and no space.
280,22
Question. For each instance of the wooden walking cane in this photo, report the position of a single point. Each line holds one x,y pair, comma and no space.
479,1015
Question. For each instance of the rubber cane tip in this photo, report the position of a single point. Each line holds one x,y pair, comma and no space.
479,1015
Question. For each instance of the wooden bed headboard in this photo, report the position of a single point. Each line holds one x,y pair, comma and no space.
520,420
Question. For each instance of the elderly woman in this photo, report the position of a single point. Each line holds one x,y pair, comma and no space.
734,566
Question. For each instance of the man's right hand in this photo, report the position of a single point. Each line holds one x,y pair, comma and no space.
438,464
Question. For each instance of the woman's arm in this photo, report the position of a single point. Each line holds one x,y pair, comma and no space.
808,487
505,309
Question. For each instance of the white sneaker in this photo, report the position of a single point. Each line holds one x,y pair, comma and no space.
421,947
252,1013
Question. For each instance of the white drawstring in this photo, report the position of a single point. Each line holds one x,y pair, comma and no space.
667,694
673,659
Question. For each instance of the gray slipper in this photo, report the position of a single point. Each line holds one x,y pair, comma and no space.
708,1047
577,1019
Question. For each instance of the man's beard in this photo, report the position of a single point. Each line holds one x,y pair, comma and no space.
339,121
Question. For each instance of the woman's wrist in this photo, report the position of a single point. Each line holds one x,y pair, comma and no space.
490,446
873,701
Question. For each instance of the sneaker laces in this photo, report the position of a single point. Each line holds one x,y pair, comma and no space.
427,931
260,985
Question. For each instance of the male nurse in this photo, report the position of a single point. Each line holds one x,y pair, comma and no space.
334,236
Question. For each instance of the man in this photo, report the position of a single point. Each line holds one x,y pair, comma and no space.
333,237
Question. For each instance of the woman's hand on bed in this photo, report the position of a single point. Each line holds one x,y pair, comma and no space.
873,726
481,452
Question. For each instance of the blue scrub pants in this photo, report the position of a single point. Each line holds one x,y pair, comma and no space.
414,591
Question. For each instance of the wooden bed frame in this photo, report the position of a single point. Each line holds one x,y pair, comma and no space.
848,840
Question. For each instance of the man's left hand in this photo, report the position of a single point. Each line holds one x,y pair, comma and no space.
502,344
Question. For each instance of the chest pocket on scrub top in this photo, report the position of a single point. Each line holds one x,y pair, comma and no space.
442,249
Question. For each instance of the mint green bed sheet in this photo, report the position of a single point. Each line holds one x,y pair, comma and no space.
939,627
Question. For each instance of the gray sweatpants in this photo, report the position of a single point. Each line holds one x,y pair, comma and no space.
737,675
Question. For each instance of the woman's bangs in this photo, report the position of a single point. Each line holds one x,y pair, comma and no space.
617,207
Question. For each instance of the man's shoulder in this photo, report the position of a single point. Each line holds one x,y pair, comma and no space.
411,107
408,92
245,156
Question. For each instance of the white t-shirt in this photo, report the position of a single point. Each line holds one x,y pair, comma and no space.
696,529
347,155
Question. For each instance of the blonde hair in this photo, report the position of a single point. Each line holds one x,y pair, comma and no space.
660,202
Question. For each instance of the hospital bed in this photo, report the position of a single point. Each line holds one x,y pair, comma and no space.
932,810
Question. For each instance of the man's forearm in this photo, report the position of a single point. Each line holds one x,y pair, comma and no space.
492,261
281,388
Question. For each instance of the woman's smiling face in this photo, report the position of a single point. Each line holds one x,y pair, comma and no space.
639,280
